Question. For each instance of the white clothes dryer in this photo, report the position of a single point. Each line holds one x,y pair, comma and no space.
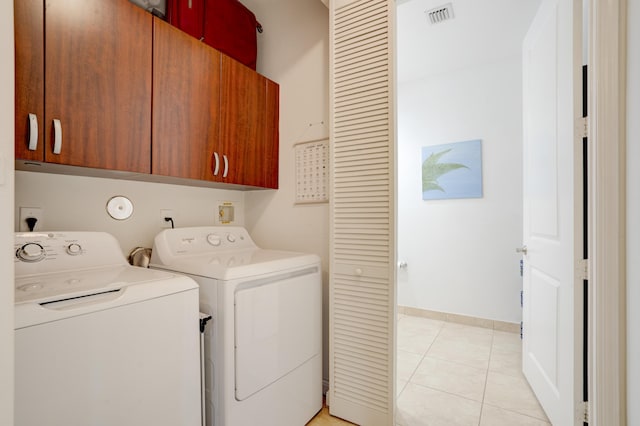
263,349
98,341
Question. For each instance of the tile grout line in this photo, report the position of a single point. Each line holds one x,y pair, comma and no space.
448,393
462,364
421,359
486,377
518,413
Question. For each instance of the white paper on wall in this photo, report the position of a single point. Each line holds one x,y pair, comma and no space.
312,171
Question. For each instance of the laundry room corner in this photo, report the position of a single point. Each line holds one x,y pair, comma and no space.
293,50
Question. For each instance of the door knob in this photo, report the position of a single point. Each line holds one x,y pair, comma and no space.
522,250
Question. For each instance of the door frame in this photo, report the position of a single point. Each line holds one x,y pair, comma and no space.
607,186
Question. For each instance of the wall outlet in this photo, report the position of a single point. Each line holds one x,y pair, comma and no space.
28,212
167,213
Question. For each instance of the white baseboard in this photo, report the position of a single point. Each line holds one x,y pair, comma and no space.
511,327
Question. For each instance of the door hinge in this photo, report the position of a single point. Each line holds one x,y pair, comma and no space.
582,127
585,411
583,269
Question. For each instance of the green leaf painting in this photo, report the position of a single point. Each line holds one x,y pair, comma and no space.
432,170
452,170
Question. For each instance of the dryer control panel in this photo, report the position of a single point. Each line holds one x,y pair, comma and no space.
178,242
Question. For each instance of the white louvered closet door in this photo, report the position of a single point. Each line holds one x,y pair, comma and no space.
362,270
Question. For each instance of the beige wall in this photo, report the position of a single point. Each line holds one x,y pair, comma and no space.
451,268
6,213
294,51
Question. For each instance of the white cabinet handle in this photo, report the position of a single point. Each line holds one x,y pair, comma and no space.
216,168
226,166
33,132
57,136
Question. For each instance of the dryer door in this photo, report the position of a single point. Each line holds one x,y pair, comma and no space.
277,328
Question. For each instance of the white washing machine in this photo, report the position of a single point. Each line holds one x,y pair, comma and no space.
99,342
264,347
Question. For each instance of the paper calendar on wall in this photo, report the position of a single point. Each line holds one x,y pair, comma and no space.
312,171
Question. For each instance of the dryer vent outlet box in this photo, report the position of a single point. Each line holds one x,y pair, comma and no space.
226,213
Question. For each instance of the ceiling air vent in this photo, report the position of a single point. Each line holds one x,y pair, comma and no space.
440,14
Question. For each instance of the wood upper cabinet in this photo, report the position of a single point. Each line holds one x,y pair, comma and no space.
186,106
249,107
89,63
104,84
213,118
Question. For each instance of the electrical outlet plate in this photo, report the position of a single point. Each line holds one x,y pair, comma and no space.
167,213
26,212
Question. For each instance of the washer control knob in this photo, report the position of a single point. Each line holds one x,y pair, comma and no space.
231,238
214,240
74,249
31,252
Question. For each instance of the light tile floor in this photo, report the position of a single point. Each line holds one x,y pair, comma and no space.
451,374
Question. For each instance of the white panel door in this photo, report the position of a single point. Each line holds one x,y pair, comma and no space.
552,202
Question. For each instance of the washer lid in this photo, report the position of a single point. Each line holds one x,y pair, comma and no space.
237,264
53,287
47,298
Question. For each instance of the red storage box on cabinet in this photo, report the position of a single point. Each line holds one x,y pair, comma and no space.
226,25
188,15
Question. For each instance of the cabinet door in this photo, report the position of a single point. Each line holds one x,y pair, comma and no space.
29,68
246,116
186,110
98,83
